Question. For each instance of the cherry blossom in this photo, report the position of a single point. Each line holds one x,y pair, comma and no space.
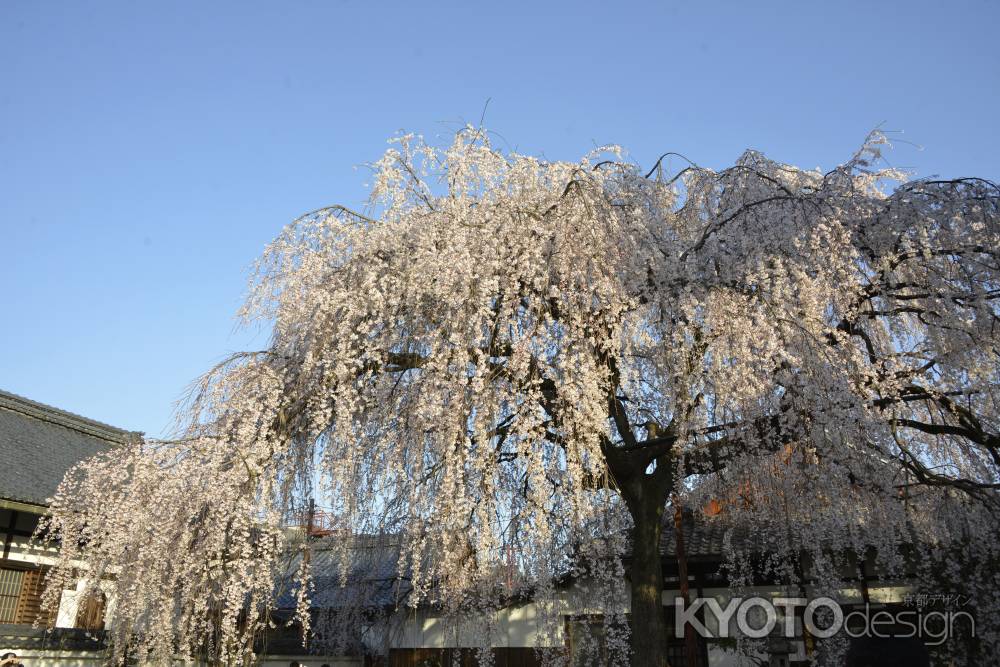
512,365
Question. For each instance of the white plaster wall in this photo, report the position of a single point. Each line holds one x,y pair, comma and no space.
525,625
522,625
22,550
68,606
529,625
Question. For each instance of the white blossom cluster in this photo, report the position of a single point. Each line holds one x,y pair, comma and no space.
482,360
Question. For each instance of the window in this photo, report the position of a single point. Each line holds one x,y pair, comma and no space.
21,596
10,593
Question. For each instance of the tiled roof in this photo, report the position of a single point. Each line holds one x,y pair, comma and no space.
39,443
373,577
705,536
372,574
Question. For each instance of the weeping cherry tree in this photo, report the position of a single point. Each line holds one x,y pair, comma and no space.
507,355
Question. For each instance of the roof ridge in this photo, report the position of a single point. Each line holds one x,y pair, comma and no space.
64,418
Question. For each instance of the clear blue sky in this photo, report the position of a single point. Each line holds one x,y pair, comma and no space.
149,151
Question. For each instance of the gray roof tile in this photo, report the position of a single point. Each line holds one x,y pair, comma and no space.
372,573
39,443
703,537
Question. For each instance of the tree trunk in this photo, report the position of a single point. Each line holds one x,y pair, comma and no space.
649,631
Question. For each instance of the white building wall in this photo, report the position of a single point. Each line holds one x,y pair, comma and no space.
531,625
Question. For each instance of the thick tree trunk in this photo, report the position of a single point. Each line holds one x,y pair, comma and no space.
644,488
649,631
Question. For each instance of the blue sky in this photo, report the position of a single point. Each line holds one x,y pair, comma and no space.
149,151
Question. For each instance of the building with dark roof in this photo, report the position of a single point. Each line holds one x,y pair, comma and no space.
39,443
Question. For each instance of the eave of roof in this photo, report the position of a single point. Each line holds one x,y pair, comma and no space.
39,443
69,420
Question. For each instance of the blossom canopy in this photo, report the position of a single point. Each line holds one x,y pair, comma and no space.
505,355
